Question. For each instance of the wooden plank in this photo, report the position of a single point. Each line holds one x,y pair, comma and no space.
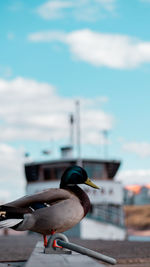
39,259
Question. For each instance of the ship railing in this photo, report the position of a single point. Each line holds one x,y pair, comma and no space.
111,216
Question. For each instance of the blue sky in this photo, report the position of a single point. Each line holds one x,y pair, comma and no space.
55,52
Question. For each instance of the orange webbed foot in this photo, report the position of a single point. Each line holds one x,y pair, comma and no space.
55,242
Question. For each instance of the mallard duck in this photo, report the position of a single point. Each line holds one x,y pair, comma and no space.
52,210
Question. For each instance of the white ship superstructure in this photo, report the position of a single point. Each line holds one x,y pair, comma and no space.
105,219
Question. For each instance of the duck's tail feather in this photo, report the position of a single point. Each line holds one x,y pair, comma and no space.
10,223
12,216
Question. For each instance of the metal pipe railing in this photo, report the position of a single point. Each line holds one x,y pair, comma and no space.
86,251
64,243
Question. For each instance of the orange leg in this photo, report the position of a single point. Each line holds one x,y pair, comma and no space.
53,232
45,240
55,243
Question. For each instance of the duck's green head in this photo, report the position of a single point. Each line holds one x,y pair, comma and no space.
76,175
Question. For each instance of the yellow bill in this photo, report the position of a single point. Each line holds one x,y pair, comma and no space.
90,183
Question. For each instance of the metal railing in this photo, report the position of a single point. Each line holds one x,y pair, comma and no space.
106,215
63,241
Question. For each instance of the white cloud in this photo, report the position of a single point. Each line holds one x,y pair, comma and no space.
141,149
12,181
31,110
53,9
100,49
87,10
128,177
48,36
107,4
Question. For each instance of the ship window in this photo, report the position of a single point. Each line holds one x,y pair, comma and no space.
54,173
94,170
58,172
47,174
32,173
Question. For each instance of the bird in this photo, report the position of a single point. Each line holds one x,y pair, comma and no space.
53,210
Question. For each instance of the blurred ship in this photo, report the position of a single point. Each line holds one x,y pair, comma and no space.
106,218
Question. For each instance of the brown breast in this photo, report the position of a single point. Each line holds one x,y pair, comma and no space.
84,199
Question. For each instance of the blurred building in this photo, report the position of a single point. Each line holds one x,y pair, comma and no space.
137,195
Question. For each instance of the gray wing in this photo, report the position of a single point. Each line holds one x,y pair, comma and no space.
46,196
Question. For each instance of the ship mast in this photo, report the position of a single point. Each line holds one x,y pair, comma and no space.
78,133
71,120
